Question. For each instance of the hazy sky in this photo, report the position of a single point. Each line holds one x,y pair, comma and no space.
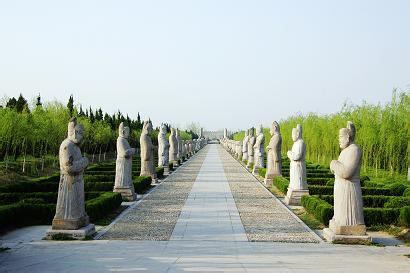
220,63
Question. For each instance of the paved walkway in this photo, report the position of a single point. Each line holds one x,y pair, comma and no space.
214,232
210,213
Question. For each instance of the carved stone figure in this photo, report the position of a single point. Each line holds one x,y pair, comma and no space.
259,151
70,210
251,143
173,148
274,161
147,152
245,146
348,217
163,149
123,170
180,146
298,182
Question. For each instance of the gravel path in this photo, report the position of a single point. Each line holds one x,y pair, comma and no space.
154,218
263,216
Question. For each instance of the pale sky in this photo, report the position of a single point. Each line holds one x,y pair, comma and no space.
231,64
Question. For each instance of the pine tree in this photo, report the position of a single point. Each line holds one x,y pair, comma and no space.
38,103
70,105
22,104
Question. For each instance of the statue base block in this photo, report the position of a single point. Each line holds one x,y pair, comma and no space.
166,170
75,234
127,194
70,224
332,237
293,197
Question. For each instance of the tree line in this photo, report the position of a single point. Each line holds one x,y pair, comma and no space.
382,131
39,130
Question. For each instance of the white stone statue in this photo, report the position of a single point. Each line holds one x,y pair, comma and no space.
123,170
298,183
70,209
348,202
191,147
180,146
245,146
147,152
163,149
251,143
173,148
259,151
274,162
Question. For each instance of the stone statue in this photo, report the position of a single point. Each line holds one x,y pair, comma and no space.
298,182
173,148
348,217
259,151
123,170
70,210
147,152
163,149
180,147
191,147
251,143
274,161
245,146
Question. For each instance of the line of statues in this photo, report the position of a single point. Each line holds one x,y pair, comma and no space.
71,219
348,220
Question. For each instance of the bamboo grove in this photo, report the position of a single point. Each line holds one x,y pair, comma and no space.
39,131
383,133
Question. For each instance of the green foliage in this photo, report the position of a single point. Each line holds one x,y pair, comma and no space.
397,189
262,172
397,202
142,183
380,133
322,210
281,183
105,203
407,192
159,171
380,216
404,217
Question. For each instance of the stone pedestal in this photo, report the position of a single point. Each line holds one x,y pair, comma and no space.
255,170
70,224
269,180
333,237
127,194
75,234
166,170
293,197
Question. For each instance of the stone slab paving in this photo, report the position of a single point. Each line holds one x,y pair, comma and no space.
210,213
264,217
154,218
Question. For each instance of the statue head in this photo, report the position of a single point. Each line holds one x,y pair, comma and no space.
246,133
163,129
177,132
75,131
124,131
251,132
297,133
147,128
260,130
275,129
347,135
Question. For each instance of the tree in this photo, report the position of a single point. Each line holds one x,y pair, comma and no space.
70,105
38,103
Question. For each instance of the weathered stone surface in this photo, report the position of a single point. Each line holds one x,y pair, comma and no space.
123,173
70,209
259,151
348,217
147,152
298,181
274,160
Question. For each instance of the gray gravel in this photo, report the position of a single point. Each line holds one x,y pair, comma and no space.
155,217
262,216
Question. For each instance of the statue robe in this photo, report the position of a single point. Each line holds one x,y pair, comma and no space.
123,169
163,150
348,201
259,152
70,209
274,167
298,166
245,148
